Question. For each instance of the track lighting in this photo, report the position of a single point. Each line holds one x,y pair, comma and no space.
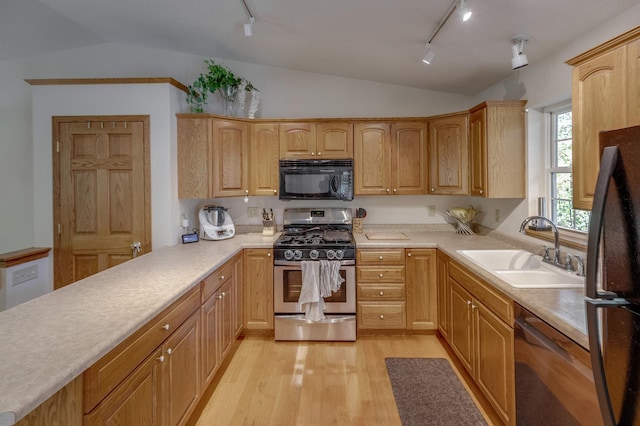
519,59
463,11
248,27
429,54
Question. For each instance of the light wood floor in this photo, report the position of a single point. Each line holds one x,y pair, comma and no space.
313,383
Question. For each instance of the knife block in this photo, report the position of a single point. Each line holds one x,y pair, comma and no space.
268,227
357,225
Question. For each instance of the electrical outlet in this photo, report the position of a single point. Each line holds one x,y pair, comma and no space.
431,211
25,274
253,212
497,215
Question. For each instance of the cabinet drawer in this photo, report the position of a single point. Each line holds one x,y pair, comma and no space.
381,315
382,274
498,303
380,257
103,376
370,292
216,279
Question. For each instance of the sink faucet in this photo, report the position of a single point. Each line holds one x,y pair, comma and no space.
556,236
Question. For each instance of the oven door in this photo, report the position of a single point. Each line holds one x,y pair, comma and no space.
287,282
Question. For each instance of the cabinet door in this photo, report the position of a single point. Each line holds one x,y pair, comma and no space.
334,140
599,103
421,289
633,83
478,152
372,161
181,372
210,340
444,294
297,140
194,158
448,156
136,401
238,302
226,313
460,334
258,289
263,154
230,158
494,370
409,158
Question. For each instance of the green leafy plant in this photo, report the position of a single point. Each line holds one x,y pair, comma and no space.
217,78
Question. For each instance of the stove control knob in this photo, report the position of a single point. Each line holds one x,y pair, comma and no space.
313,254
331,254
288,255
297,255
339,254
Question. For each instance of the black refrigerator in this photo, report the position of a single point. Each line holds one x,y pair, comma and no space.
613,278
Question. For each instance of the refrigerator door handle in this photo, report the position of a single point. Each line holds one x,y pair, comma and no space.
595,350
608,164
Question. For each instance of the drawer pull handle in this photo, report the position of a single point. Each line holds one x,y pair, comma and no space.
382,293
169,351
161,358
166,326
381,316
380,275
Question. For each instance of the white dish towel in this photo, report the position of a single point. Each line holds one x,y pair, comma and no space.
330,279
310,299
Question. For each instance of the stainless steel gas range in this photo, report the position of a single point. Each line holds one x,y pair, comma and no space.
315,235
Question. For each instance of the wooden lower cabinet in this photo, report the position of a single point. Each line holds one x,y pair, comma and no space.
482,338
444,293
258,289
422,305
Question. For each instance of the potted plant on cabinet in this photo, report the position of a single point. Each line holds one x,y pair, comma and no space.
218,78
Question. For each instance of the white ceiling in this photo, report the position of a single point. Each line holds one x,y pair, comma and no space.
378,40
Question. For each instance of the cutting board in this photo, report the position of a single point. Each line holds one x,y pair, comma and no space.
386,236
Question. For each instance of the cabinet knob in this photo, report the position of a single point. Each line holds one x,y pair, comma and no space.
166,326
221,277
161,358
319,153
169,351
268,254
380,275
382,293
275,191
224,294
481,191
469,302
219,297
313,153
246,191
380,257
381,316
433,190
409,254
395,190
388,190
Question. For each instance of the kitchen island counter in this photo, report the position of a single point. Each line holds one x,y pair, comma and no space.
51,340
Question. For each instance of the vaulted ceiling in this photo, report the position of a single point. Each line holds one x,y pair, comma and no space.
378,40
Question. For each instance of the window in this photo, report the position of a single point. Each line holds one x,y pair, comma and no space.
561,188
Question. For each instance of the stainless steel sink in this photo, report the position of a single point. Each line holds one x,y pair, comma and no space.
522,269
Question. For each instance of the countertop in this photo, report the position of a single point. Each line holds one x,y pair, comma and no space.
49,341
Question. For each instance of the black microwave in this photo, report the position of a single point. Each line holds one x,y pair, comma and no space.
316,180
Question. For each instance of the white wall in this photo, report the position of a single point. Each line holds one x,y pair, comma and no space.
159,101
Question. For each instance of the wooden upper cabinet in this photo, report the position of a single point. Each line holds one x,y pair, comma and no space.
334,140
497,149
606,96
326,140
372,158
230,158
297,140
263,159
409,158
212,158
449,155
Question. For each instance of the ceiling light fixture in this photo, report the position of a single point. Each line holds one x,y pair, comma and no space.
463,11
519,59
248,27
429,54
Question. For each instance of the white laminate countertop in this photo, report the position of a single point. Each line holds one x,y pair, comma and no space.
49,341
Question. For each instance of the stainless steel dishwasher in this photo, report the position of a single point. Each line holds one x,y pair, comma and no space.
554,382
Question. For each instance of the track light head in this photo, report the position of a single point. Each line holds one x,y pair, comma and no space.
463,11
248,27
428,55
519,59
